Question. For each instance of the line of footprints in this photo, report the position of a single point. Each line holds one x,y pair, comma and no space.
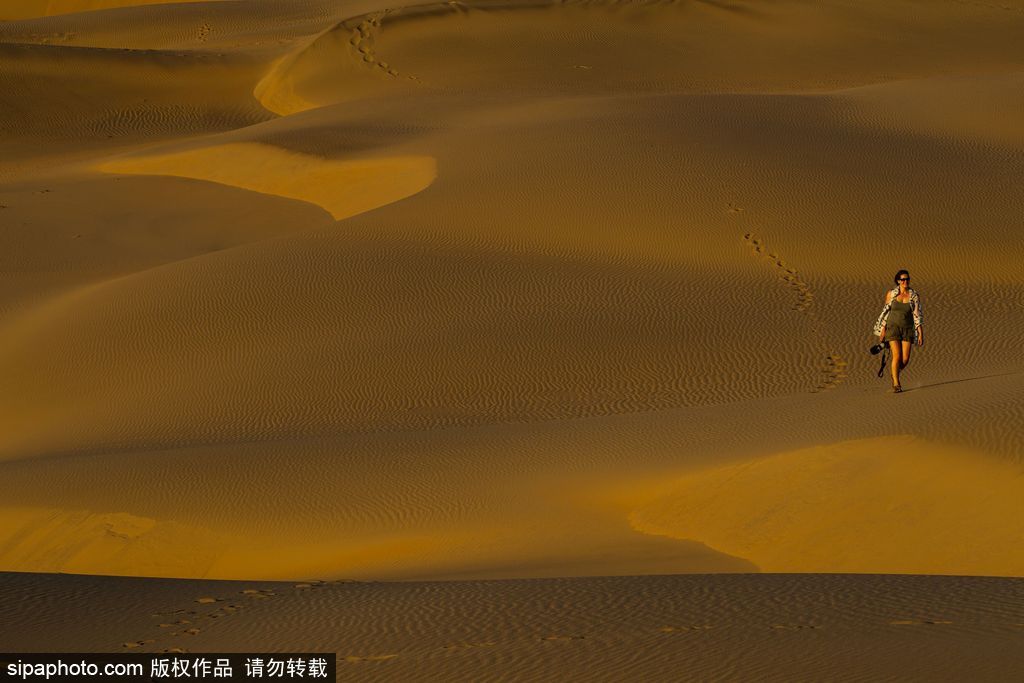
834,367
189,621
804,296
363,38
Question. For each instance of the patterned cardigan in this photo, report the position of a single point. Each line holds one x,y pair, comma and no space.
915,306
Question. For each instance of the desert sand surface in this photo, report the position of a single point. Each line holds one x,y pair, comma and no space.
630,628
371,291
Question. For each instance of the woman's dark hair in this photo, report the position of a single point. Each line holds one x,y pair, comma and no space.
896,278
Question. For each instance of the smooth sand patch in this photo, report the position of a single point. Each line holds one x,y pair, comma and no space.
343,188
895,504
112,543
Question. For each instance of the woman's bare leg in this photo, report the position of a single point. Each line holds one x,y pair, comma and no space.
894,367
906,354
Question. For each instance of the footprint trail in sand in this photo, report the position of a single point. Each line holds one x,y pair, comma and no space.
834,365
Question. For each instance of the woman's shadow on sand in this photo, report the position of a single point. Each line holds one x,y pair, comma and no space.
959,381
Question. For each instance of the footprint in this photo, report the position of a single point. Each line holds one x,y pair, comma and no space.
188,617
137,643
834,369
794,627
180,622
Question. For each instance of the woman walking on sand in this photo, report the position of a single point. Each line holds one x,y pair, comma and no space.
899,325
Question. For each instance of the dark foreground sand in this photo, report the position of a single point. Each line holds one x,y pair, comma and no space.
783,627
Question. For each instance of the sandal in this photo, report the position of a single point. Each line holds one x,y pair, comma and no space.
896,388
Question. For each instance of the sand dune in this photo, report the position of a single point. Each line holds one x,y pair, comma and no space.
601,307
572,296
482,290
557,497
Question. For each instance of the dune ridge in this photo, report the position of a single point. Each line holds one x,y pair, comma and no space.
342,188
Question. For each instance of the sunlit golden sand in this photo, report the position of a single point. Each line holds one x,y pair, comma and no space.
299,290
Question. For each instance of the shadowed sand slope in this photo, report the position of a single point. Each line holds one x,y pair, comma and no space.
483,290
24,9
745,627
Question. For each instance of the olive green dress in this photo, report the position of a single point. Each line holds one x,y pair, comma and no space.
899,326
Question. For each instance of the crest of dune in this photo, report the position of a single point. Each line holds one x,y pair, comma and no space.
276,90
343,188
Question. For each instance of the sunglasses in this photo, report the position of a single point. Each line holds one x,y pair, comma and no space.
904,279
